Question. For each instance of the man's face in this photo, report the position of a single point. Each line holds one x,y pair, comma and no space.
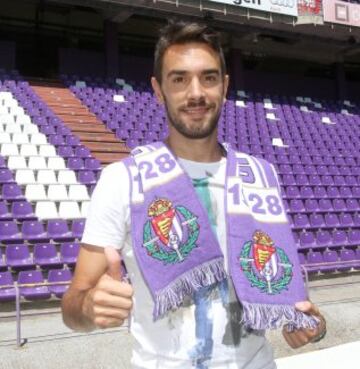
192,88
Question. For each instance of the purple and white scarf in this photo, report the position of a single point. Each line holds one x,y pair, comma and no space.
178,253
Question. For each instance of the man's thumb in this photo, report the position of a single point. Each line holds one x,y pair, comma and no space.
113,263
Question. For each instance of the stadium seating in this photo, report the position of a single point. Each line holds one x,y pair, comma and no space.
46,174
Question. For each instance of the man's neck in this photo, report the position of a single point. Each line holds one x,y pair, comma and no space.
205,150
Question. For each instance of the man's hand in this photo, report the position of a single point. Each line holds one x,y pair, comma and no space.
301,337
109,303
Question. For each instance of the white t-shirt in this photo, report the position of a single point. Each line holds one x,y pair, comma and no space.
204,333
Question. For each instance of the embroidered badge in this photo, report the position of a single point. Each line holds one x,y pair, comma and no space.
266,266
171,233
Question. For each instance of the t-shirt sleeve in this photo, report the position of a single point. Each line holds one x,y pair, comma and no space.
109,208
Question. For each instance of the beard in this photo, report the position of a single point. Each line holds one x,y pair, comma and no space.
199,129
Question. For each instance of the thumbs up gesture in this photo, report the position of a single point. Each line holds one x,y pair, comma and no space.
109,303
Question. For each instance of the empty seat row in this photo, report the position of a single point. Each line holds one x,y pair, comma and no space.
317,180
319,239
37,288
34,231
322,205
65,209
35,162
329,220
45,255
7,140
41,176
10,127
44,150
331,260
321,192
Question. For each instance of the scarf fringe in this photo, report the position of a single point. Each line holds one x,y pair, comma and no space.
174,294
267,316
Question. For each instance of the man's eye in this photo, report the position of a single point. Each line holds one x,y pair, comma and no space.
178,80
211,78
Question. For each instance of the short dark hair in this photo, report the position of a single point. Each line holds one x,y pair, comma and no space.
181,32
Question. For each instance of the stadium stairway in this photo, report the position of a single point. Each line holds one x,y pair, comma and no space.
93,134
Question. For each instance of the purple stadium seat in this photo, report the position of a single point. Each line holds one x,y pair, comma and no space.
311,205
59,275
325,205
86,177
77,228
356,219
350,180
339,238
346,220
19,257
306,239
296,205
4,211
355,191
45,255
288,179
92,164
331,257
82,152
75,163
314,257
352,204
316,220
354,237
345,192
332,192
69,252
292,192
6,176
301,179
323,238
331,220
22,210
301,221
36,291
58,230
348,258
339,204
306,192
320,192
9,232
12,192
7,290
33,231
3,265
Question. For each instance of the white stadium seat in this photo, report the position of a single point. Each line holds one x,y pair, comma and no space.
47,150
46,210
16,162
57,192
78,193
37,162
20,138
25,176
38,139
35,192
9,149
46,176
56,163
28,150
69,210
67,177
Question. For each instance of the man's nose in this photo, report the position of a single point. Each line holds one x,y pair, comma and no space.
195,90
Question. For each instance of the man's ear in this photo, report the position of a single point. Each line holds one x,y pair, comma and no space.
157,90
226,85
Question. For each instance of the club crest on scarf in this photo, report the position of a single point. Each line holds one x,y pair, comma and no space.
265,265
171,232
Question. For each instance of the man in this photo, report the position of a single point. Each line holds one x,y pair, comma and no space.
204,331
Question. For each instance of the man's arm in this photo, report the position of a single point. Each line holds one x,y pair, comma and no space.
97,297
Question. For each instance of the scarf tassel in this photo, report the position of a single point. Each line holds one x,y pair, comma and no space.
186,284
266,316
